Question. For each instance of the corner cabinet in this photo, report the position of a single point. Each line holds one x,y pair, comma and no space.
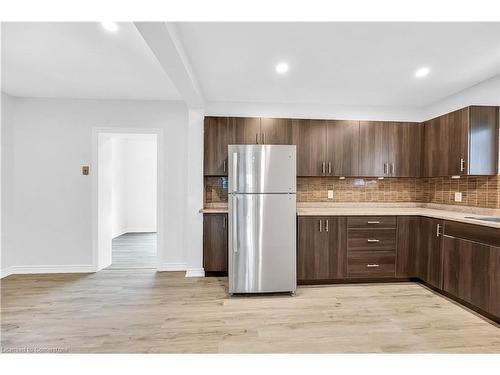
463,142
215,243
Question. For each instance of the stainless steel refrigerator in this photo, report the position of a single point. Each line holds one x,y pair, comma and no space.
262,218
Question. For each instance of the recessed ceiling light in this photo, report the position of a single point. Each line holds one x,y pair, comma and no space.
282,68
422,72
110,26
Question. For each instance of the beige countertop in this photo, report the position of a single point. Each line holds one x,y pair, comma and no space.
444,212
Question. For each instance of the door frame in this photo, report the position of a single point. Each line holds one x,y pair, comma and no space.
94,171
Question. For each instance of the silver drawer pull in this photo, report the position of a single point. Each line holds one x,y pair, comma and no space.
372,265
373,222
372,240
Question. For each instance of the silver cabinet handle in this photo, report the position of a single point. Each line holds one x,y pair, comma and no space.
263,138
329,168
462,165
323,168
373,265
392,168
235,227
373,222
235,171
372,240
224,221
257,138
437,230
224,166
326,226
321,225
385,168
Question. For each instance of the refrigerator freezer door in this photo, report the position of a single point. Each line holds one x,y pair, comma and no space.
262,240
262,169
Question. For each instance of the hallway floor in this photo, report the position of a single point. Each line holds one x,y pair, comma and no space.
134,250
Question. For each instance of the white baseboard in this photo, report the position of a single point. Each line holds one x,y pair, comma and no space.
4,272
25,270
134,230
195,272
181,266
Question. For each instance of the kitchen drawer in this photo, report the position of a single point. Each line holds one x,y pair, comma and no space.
371,264
371,239
371,222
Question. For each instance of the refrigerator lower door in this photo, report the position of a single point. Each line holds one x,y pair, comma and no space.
262,243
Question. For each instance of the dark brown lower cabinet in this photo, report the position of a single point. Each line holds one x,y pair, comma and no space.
471,273
215,243
408,246
430,258
321,242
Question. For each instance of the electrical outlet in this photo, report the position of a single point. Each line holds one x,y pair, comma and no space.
458,196
85,170
330,194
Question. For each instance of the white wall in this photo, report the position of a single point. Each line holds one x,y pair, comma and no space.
47,222
484,93
134,183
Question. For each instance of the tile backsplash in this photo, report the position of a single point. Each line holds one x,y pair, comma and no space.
476,191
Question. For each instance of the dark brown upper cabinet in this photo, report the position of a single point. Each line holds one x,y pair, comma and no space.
404,149
342,150
463,142
216,138
389,149
244,130
311,147
277,131
327,147
372,149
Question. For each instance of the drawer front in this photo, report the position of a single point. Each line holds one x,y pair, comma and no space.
371,264
371,239
371,222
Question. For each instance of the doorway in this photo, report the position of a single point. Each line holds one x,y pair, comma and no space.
127,204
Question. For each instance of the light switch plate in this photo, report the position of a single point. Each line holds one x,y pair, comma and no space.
458,196
330,194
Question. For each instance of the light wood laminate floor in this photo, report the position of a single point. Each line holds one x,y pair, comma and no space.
146,311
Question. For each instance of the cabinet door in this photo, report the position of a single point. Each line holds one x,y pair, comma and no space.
466,271
321,248
216,138
311,147
434,139
342,148
372,149
404,148
215,242
277,131
483,140
244,130
430,262
456,138
408,244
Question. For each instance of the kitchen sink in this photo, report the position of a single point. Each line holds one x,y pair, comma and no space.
495,219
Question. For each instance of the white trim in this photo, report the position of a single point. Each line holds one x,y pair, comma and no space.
159,191
173,266
195,272
6,272
140,229
59,268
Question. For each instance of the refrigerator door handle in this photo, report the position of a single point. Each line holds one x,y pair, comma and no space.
234,227
235,172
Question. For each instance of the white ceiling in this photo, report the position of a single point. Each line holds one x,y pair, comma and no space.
340,63
80,60
356,64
